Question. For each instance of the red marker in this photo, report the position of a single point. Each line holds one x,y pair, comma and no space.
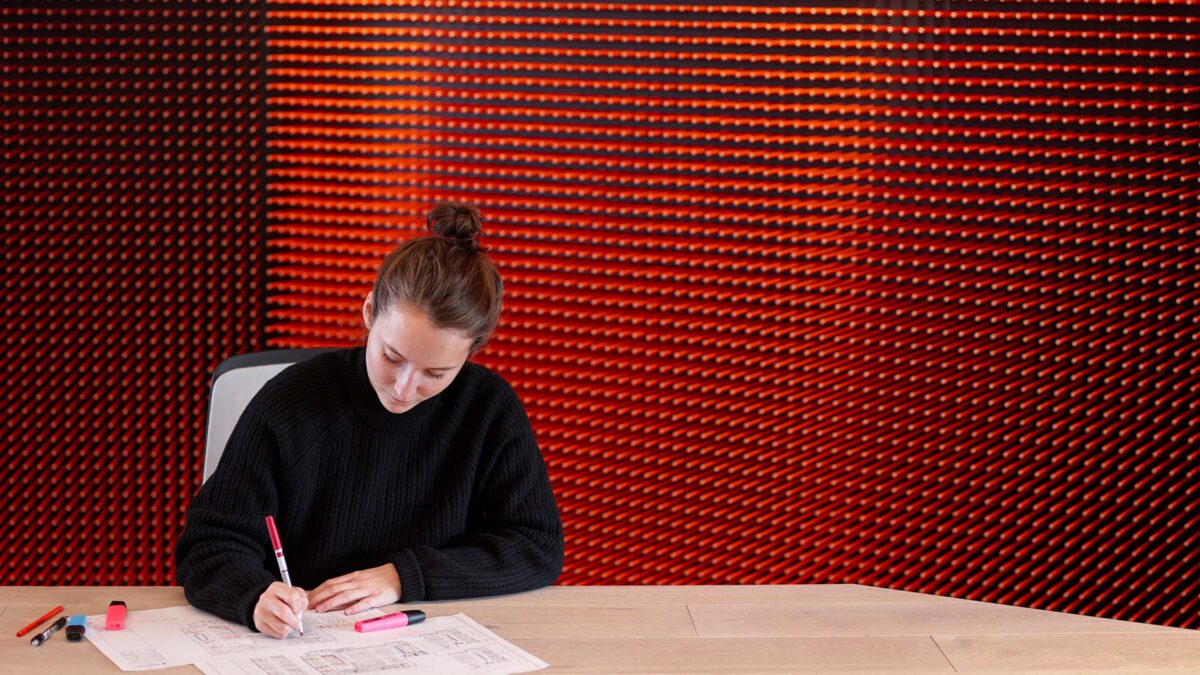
40,620
283,573
398,620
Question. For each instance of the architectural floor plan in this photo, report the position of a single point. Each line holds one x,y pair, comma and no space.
181,635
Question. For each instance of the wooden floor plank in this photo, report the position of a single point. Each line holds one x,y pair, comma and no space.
569,596
744,656
1106,652
847,619
616,621
89,599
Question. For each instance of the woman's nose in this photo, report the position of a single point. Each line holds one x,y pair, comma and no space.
406,385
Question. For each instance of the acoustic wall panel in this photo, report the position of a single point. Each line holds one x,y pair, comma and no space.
900,294
133,258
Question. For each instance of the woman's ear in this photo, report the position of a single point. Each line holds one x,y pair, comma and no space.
368,309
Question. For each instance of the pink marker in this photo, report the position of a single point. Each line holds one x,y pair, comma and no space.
398,620
283,573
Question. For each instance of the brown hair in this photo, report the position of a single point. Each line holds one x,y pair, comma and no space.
446,274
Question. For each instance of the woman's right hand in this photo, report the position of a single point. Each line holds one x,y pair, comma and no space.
279,609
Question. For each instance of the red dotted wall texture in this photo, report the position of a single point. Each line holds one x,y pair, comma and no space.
132,239
898,296
902,295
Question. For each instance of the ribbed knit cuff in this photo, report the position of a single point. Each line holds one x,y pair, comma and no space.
412,581
247,603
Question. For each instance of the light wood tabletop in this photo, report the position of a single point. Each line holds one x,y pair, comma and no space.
710,629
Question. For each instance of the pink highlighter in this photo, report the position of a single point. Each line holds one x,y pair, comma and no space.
397,620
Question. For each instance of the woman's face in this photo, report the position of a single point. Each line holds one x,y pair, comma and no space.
408,358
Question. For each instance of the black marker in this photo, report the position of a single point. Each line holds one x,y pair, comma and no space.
45,635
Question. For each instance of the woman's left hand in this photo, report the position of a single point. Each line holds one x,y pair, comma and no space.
357,591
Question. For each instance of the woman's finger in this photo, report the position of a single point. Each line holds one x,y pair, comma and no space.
328,590
279,609
269,624
364,604
343,599
297,600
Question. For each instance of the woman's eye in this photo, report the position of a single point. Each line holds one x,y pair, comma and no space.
436,376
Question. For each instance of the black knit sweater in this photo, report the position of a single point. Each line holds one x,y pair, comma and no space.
452,492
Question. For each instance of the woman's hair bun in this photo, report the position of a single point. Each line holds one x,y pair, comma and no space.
459,223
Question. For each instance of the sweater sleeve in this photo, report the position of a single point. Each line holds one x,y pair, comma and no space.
220,556
514,537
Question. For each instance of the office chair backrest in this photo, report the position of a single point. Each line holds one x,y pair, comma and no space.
236,381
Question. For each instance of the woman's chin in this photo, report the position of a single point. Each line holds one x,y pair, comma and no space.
396,407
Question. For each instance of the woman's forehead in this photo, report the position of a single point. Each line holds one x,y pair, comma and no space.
409,332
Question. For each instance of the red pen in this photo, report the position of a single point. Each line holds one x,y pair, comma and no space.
40,620
283,573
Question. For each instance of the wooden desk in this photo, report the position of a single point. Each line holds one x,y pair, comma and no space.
711,629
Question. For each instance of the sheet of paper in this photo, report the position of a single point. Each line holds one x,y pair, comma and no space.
175,636
449,644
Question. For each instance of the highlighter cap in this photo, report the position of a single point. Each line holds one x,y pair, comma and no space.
274,533
115,619
76,627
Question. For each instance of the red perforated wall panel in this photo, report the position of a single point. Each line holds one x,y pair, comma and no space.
132,237
902,295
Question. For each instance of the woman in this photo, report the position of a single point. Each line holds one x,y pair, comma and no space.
397,472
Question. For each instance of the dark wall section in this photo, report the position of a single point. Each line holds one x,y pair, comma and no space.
132,211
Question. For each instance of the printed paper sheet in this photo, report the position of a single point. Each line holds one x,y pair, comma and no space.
176,636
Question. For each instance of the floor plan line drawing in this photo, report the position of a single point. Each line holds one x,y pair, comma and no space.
177,636
221,637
